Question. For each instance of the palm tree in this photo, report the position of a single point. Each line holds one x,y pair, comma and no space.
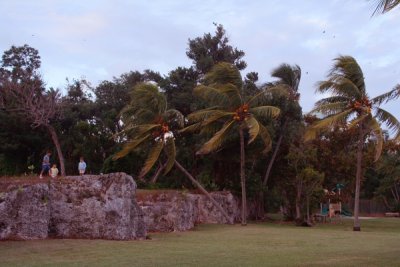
351,105
147,121
222,90
385,6
289,80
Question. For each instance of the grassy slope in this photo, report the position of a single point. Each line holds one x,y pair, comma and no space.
221,245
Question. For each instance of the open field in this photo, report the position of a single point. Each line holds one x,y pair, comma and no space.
266,244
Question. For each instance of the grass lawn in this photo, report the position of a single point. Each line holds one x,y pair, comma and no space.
266,244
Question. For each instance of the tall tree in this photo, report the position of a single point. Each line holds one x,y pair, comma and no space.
148,121
209,50
222,90
22,91
289,80
349,103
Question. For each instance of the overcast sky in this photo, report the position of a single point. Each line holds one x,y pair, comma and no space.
102,39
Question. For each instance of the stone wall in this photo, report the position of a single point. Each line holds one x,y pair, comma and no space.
166,211
72,207
104,207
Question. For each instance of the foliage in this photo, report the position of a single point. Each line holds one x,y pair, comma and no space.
209,50
231,113
350,105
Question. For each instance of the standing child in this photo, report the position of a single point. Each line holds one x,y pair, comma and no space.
53,171
82,166
45,164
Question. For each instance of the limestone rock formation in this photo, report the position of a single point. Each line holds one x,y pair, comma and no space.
73,207
168,210
24,212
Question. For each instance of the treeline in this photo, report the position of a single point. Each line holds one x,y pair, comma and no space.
88,121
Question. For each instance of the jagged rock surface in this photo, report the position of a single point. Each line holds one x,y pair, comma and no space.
167,211
73,207
24,212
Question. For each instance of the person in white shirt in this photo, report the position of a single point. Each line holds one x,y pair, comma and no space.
82,166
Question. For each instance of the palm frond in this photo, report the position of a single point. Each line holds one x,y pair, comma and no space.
329,109
357,120
326,123
218,114
346,67
332,99
266,138
340,86
289,75
130,146
377,132
137,115
217,140
224,73
385,6
265,111
138,130
233,93
170,150
147,95
205,117
384,98
392,123
202,114
191,128
212,95
253,128
174,118
279,89
152,158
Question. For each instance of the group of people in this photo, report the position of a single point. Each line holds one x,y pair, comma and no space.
53,171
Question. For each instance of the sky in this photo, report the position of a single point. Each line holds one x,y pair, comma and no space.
99,40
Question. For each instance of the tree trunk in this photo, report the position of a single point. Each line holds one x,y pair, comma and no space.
298,201
261,207
308,210
158,172
271,162
56,142
242,177
204,191
360,145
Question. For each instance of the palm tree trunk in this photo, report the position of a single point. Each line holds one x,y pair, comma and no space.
204,191
360,145
158,172
54,138
261,208
298,201
308,210
242,177
271,162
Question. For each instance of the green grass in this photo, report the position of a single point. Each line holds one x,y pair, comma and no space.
267,244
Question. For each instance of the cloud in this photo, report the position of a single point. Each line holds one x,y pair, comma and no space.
102,39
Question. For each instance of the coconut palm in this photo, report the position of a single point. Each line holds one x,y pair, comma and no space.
385,6
289,80
222,90
350,104
148,122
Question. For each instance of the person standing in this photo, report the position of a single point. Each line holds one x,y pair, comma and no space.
54,171
45,164
81,166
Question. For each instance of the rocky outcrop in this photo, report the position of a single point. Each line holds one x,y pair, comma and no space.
166,211
73,207
24,212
